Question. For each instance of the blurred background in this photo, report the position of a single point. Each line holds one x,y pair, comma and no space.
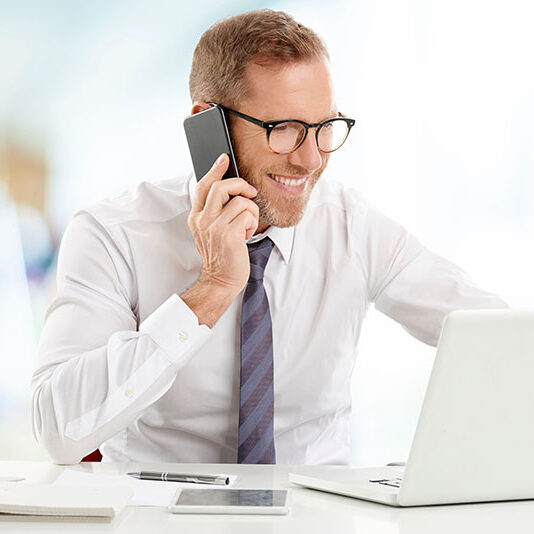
92,98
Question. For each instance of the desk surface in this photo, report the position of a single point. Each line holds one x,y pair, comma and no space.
311,511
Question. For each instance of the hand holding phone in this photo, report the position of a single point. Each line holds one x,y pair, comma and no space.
222,218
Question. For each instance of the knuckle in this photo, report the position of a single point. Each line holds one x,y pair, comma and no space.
216,186
246,217
202,224
239,202
253,210
210,230
193,221
245,204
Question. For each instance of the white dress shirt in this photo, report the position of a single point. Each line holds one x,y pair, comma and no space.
125,367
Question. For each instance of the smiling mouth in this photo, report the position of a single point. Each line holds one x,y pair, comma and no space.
290,182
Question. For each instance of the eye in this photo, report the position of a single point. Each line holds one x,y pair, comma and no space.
282,127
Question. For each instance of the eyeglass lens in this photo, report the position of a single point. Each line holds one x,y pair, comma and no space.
286,136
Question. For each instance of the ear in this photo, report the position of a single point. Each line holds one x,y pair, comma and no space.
199,106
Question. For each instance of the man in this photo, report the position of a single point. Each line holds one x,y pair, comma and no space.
218,322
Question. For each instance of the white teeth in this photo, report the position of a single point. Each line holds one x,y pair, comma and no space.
289,181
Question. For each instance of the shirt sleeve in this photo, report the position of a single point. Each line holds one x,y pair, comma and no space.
412,285
97,367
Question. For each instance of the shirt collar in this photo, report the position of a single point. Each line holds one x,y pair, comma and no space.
281,237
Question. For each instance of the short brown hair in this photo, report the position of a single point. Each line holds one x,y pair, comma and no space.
230,45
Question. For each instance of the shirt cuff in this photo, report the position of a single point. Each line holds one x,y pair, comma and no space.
174,327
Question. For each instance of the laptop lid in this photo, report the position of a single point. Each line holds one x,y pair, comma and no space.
475,435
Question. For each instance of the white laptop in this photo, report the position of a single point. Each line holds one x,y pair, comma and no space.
474,440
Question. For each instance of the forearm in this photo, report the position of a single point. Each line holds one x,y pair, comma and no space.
83,397
81,402
426,290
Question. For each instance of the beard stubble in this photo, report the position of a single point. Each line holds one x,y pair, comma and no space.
277,208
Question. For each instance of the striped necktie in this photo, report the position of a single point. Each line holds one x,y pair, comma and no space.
256,397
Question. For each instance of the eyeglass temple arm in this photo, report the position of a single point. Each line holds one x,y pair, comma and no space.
244,116
270,125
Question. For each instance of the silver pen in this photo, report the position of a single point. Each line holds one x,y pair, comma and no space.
219,480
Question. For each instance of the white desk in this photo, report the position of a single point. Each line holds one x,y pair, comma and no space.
311,511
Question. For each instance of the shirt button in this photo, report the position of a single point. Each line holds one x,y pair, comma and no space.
129,393
183,336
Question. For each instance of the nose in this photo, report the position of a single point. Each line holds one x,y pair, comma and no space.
307,155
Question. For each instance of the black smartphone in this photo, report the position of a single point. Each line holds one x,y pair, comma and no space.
208,137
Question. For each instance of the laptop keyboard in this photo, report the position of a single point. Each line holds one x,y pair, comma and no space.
394,482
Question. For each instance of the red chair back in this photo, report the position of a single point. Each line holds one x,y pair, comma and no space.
95,456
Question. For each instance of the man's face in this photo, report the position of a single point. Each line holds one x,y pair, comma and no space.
300,91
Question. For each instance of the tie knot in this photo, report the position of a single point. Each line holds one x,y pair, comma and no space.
259,253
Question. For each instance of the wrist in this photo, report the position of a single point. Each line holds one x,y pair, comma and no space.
218,286
208,299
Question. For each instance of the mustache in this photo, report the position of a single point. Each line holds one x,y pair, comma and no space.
294,170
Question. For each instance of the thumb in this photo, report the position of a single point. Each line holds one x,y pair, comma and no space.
204,184
219,167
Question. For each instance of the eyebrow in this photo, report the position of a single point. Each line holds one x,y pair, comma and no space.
337,115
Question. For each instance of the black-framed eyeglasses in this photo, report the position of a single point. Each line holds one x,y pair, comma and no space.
284,137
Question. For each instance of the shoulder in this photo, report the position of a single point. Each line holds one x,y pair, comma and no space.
336,217
337,208
146,202
333,195
336,196
110,224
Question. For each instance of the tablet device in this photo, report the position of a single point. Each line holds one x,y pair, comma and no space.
230,501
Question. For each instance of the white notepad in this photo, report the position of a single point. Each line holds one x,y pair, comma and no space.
63,501
145,492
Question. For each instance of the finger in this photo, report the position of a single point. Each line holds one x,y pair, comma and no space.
245,224
204,184
222,192
249,234
237,205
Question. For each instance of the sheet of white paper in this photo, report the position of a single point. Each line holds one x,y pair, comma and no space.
11,479
146,492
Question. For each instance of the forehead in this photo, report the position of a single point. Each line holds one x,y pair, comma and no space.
300,90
